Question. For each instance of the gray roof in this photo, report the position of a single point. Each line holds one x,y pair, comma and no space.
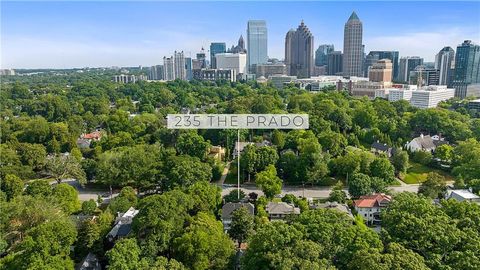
425,141
228,209
281,208
380,146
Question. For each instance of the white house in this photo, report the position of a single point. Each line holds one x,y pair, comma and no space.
425,143
370,206
462,195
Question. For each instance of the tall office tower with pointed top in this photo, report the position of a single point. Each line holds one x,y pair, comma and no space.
256,43
352,47
299,52
444,61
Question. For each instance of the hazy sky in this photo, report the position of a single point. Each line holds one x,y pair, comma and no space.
79,34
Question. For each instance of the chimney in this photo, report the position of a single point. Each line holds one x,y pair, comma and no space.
421,135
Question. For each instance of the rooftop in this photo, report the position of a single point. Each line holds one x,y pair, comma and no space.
465,193
372,200
281,208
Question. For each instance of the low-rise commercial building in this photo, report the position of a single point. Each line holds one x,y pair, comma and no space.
214,74
430,96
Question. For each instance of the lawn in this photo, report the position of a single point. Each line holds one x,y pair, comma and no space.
417,173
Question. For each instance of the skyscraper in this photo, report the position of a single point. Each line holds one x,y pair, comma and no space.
216,47
179,63
444,60
299,52
188,68
321,54
156,73
424,76
408,64
200,61
352,47
467,67
257,43
334,63
374,56
168,69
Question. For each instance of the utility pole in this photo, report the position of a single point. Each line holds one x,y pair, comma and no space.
238,163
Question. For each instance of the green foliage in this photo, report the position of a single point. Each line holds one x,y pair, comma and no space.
204,244
434,187
192,144
40,188
445,237
124,255
184,171
89,207
400,161
66,197
382,168
64,167
12,186
422,157
232,196
269,182
207,197
242,225
126,199
359,184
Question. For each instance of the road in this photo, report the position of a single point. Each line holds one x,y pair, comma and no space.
311,192
85,194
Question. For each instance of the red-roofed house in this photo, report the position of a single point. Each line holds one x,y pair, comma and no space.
95,136
370,206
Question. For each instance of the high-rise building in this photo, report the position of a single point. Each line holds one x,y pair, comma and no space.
299,52
234,61
321,54
381,71
156,73
188,68
257,43
179,63
216,47
334,63
168,69
267,70
353,49
201,61
408,64
374,56
467,68
428,75
444,61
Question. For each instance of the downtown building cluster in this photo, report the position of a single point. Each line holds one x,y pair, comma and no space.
375,74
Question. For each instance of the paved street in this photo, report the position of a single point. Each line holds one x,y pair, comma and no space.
311,192
86,194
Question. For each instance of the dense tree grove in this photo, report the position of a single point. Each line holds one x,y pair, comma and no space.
166,175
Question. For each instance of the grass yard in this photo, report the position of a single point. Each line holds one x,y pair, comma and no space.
417,173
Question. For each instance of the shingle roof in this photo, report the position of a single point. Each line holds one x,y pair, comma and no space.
281,208
425,141
380,146
372,200
228,209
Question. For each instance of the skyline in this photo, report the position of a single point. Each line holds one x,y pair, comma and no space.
131,34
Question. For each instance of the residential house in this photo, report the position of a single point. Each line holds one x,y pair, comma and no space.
90,262
86,139
123,225
335,206
239,146
370,206
425,143
217,153
281,210
228,209
382,148
462,195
